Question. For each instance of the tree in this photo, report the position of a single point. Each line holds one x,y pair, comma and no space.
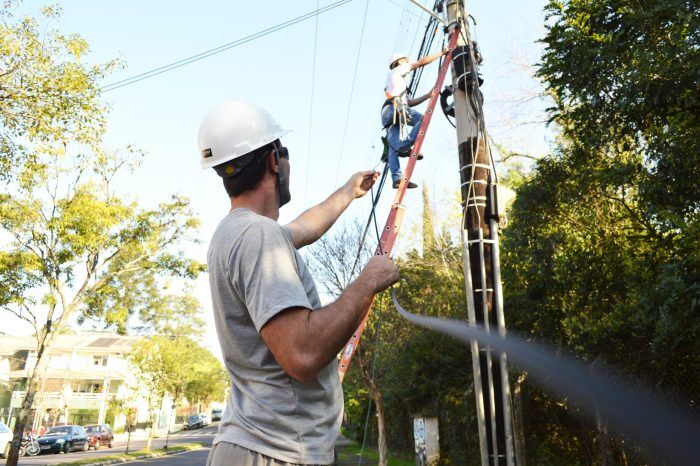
404,370
48,97
334,261
152,359
77,250
601,255
173,316
207,379
179,367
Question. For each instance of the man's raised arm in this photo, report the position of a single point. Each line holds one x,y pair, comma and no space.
429,59
314,222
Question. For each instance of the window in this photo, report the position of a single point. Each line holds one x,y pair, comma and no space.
58,361
99,361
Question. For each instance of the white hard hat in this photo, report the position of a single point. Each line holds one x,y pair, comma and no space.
233,129
396,57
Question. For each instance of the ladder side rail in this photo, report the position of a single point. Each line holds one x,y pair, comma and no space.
395,218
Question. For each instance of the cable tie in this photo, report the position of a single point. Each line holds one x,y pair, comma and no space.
481,165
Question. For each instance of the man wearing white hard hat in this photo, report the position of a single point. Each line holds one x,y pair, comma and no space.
278,342
397,111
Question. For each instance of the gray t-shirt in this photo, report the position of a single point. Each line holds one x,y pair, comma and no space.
254,273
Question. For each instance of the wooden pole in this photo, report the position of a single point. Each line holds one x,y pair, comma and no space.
480,253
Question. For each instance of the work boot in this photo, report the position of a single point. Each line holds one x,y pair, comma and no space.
408,153
411,184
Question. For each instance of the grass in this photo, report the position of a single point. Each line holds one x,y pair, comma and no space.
350,454
136,454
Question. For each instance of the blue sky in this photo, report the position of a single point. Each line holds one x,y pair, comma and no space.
161,115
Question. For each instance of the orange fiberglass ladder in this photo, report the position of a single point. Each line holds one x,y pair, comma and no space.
393,223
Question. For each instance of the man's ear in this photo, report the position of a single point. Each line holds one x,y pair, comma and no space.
271,162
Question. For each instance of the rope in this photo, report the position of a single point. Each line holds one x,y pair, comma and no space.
311,106
352,90
372,214
425,47
219,49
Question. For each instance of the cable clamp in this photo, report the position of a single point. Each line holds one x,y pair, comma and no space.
475,182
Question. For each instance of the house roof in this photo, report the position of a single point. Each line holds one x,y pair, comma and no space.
82,374
9,344
86,341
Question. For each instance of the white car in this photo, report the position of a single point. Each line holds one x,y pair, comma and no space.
5,439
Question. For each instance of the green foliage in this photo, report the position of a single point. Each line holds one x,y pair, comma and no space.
350,454
624,75
48,97
173,316
76,247
601,255
179,367
418,372
73,249
207,379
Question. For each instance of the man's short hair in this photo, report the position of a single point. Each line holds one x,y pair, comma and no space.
249,177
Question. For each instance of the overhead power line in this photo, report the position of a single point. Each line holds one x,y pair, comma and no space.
352,90
221,48
311,106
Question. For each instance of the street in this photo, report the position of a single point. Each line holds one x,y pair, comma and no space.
189,458
204,435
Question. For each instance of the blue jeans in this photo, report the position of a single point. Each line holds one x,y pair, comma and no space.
393,136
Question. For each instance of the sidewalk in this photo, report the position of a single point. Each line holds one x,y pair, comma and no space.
142,434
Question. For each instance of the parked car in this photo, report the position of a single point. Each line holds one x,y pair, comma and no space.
63,439
196,421
216,414
5,439
206,419
98,435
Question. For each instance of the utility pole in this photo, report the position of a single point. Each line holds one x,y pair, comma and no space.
480,253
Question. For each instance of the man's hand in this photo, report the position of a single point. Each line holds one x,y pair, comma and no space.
313,223
361,182
445,51
380,272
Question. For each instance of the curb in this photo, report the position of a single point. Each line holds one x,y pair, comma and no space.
135,458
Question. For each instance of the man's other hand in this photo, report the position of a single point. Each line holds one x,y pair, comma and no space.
361,182
380,272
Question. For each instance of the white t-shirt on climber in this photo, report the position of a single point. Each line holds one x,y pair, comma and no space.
396,81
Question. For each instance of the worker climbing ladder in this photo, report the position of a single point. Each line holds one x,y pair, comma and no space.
393,223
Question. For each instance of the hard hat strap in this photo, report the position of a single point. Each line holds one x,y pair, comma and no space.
283,193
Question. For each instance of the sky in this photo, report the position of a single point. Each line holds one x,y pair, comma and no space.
333,135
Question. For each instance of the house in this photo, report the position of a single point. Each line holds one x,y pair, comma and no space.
86,378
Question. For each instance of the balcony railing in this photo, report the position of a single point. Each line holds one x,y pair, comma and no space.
50,400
